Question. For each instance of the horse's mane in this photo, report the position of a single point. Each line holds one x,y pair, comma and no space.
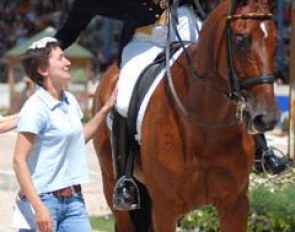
210,41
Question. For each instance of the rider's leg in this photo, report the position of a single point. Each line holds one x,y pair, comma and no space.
125,194
266,159
137,54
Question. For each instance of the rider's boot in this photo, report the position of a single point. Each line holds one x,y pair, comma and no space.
266,160
126,194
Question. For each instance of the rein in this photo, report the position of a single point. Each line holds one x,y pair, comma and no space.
172,21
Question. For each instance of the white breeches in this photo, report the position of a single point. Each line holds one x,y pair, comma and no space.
144,48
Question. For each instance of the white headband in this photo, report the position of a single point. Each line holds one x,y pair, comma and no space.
42,43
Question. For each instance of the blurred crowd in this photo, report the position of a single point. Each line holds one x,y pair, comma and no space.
20,19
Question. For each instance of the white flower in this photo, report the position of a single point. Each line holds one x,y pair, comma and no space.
42,43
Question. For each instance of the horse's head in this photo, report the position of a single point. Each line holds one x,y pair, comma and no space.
243,39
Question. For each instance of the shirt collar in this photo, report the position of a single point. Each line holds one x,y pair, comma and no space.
50,101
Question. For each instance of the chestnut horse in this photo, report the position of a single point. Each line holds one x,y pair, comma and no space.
202,156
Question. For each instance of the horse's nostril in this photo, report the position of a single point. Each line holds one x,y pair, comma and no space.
263,123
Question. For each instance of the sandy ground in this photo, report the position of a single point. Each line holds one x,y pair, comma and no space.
93,194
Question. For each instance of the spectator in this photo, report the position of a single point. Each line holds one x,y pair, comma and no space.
49,159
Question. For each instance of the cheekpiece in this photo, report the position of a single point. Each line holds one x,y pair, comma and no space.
42,43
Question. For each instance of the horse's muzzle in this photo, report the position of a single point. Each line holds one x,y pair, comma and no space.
262,122
265,122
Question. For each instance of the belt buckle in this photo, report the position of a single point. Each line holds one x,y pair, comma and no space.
67,192
20,195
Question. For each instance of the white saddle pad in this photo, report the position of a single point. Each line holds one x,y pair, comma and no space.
147,98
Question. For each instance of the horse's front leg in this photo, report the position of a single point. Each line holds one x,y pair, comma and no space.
234,213
164,218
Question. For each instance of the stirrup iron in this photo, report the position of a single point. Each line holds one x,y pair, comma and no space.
118,202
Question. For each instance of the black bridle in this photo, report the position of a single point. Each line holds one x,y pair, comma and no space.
235,84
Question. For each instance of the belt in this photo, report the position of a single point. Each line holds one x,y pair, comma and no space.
67,192
64,192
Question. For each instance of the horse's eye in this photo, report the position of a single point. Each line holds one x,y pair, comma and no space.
242,40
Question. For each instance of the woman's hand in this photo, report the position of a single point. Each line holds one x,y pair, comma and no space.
43,219
111,101
91,126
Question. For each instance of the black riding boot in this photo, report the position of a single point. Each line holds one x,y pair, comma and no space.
266,160
126,193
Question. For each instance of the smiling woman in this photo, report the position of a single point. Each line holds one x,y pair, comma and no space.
49,160
49,68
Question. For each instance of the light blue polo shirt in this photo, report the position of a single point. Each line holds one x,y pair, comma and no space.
58,157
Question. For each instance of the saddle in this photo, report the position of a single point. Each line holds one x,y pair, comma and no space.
141,88
125,146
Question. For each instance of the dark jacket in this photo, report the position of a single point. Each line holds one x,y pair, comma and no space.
133,13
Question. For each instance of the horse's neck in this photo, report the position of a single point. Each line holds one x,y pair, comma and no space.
207,93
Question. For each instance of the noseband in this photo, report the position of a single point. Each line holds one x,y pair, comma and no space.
235,84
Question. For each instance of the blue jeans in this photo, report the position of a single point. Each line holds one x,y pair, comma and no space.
68,214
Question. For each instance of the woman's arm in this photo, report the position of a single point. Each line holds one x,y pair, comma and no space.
24,144
8,123
91,127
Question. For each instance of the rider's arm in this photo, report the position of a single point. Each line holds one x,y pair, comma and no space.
82,11
79,17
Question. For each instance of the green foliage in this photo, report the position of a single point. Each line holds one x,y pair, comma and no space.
205,220
272,209
102,223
